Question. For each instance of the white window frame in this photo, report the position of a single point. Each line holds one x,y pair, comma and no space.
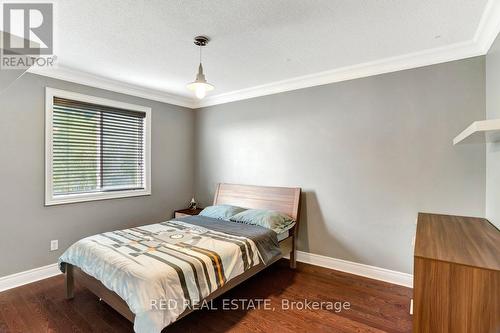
50,199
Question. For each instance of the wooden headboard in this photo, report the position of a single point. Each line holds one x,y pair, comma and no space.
282,199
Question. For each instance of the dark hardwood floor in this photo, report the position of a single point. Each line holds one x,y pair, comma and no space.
374,306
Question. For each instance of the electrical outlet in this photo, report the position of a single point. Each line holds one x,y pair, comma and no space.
54,245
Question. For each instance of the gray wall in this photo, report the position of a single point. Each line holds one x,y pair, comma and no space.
493,149
368,153
26,226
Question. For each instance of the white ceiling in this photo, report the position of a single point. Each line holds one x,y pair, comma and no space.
147,44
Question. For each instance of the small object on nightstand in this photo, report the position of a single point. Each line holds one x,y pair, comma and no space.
187,212
193,204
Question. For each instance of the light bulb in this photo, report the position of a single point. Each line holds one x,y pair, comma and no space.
200,91
200,86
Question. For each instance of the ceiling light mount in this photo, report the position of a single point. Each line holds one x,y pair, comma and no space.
201,40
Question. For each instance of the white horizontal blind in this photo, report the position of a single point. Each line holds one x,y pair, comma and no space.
96,148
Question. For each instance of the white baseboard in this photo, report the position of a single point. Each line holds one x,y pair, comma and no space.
372,272
32,275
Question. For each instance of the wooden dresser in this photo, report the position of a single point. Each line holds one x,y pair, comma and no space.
456,285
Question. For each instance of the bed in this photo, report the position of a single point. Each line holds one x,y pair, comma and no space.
105,272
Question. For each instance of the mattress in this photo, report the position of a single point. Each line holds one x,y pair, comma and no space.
283,235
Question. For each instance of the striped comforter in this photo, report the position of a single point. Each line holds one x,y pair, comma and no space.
162,269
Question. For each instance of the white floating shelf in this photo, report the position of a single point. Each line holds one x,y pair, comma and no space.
480,131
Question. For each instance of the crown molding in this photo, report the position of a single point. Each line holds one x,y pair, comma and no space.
489,27
487,31
485,35
75,76
387,65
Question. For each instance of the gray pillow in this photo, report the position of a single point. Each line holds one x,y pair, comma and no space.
276,221
221,212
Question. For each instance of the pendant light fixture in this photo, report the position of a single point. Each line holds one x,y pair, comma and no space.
200,86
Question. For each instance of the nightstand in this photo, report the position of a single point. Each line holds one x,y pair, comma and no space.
187,212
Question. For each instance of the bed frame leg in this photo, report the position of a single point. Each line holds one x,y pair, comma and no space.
70,282
293,256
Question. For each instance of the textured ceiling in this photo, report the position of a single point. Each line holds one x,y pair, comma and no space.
149,42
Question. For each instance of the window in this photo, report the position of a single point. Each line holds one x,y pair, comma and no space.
95,148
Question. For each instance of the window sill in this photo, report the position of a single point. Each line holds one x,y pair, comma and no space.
74,198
